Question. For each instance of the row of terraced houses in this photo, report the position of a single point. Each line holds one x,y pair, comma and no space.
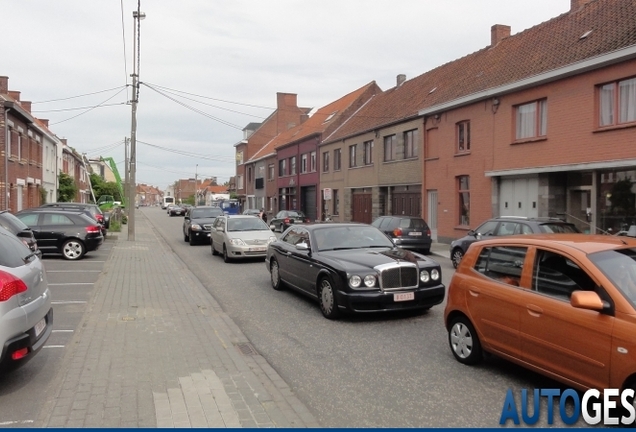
32,157
541,123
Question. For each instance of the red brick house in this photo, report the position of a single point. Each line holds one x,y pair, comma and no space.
540,123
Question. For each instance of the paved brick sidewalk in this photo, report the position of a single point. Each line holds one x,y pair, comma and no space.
154,349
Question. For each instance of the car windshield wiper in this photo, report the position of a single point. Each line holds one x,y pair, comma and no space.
27,258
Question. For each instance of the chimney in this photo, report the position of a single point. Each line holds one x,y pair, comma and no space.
284,100
577,4
45,122
15,95
400,79
499,32
303,118
4,85
26,105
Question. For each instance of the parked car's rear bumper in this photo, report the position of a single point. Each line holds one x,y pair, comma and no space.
25,340
384,302
414,243
93,243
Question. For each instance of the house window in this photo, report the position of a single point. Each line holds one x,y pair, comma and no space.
270,172
368,152
352,156
325,162
282,167
464,199
19,146
292,165
336,201
239,158
312,161
303,163
532,119
411,143
337,159
463,137
239,182
389,148
249,174
617,102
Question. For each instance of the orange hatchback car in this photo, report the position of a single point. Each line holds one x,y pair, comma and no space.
562,305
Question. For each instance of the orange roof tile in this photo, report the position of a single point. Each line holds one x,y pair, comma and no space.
547,46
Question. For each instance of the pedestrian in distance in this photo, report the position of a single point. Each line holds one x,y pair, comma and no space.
263,215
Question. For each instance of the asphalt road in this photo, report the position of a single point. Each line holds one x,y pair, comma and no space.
24,391
389,370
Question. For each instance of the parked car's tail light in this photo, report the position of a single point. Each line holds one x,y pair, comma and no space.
428,232
397,232
435,274
20,353
10,286
424,276
307,220
355,281
286,220
100,218
93,229
369,281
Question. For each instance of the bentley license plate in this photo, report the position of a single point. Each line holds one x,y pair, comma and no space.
403,296
39,327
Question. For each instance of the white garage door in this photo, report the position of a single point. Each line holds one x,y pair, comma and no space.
519,197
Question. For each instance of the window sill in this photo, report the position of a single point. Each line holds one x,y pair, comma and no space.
529,140
462,227
615,127
431,159
400,160
466,153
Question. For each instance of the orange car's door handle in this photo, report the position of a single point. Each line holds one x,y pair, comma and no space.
534,310
474,292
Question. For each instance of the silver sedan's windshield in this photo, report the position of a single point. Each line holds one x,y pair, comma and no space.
205,213
350,237
247,224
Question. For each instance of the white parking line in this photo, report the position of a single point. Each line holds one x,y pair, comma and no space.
63,331
47,262
8,423
72,283
53,346
68,302
73,271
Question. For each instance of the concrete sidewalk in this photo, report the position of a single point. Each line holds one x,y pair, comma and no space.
154,349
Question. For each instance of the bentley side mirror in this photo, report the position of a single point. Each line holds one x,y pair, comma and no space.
302,246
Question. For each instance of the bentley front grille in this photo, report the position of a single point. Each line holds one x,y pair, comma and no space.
399,277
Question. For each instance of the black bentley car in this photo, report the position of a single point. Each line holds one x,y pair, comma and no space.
197,223
353,267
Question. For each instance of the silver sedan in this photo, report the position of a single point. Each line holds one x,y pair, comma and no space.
240,236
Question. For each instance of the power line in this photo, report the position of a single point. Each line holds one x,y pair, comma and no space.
189,154
78,108
211,98
203,113
90,109
79,96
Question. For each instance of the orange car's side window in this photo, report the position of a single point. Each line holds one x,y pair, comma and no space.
558,277
502,263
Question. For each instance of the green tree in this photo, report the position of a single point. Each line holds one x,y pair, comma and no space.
101,187
67,189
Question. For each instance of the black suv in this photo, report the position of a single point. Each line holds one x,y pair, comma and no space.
508,225
197,223
407,232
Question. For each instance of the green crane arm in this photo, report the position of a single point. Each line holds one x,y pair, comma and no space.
113,167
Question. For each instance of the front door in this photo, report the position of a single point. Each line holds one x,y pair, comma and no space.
361,208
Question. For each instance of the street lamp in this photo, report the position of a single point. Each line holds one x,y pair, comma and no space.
132,187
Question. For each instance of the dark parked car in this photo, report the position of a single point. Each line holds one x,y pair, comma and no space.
176,210
72,234
12,224
197,223
26,316
286,218
407,232
353,267
91,210
508,225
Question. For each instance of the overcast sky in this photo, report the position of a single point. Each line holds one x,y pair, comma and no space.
210,67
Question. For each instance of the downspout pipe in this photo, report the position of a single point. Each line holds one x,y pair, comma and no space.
7,149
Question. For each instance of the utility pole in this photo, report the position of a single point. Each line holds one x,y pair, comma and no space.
196,186
126,171
138,16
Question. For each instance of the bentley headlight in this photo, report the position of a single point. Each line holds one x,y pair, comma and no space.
435,274
424,276
369,281
237,242
355,281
